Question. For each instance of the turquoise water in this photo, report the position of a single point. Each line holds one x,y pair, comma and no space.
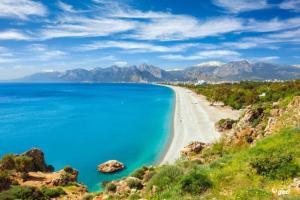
83,125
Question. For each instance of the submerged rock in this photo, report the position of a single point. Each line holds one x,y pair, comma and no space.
110,166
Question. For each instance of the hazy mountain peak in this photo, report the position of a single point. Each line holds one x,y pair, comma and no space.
211,71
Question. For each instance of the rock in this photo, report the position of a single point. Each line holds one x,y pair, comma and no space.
194,147
248,134
110,166
65,177
38,160
224,124
275,112
250,116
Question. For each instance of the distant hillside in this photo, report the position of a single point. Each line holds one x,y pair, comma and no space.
212,71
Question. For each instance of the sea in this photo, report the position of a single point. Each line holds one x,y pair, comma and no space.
83,125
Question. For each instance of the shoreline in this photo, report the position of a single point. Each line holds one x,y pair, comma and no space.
193,120
170,137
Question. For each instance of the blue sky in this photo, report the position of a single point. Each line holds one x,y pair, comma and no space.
63,34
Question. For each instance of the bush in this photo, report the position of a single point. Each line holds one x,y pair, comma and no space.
5,181
249,139
165,178
110,187
21,192
134,183
275,165
8,161
139,173
50,168
52,193
68,169
195,182
23,164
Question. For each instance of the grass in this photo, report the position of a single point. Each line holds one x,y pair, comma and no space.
231,175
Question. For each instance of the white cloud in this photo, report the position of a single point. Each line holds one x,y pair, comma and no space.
135,46
223,54
290,5
42,52
6,56
13,35
266,59
240,45
80,26
179,57
181,27
21,9
291,34
65,7
236,6
272,25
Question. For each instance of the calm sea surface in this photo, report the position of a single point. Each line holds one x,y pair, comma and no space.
83,125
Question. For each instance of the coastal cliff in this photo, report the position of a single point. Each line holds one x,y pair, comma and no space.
27,176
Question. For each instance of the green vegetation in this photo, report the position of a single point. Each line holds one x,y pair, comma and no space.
19,163
5,181
239,95
110,187
52,193
238,172
275,165
139,173
134,183
31,193
195,182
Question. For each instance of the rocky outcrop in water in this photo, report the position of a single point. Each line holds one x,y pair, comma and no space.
110,166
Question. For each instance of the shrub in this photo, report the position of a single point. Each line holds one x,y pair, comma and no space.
275,165
148,176
24,176
110,187
195,182
87,197
23,164
21,192
50,168
8,162
165,178
139,173
5,181
134,183
52,193
248,139
68,169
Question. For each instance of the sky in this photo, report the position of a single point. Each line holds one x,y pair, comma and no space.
57,35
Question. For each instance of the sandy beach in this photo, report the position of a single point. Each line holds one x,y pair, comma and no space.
194,120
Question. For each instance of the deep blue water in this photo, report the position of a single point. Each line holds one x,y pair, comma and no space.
83,125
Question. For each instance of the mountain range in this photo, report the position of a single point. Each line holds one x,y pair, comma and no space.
211,71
